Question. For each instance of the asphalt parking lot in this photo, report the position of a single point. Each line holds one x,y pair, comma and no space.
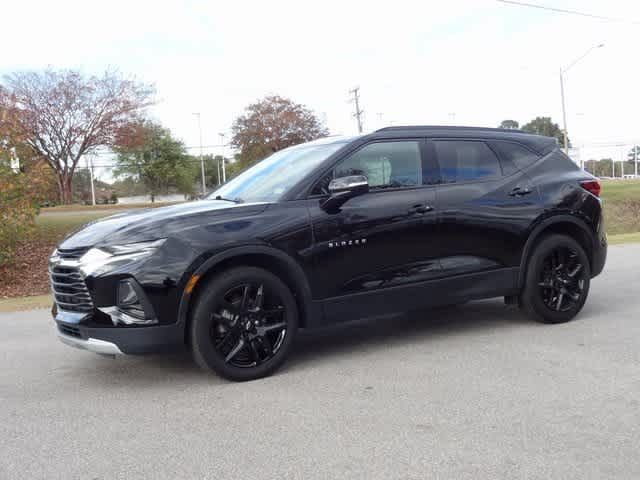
476,391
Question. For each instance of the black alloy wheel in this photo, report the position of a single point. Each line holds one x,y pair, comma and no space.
562,279
247,329
243,324
557,280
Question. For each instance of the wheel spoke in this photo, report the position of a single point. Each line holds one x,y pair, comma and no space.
259,300
245,298
239,346
575,271
575,296
559,304
270,328
254,352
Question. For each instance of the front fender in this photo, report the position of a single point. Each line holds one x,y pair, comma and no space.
293,269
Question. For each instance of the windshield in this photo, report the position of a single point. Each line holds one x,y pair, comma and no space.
270,179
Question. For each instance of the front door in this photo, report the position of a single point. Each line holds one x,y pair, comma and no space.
379,241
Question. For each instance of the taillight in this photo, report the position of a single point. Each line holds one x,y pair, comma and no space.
592,186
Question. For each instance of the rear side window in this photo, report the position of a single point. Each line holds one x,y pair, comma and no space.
462,160
514,156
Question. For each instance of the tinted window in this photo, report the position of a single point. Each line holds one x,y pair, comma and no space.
462,161
514,156
270,179
385,164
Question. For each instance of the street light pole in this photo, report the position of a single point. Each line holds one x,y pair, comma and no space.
564,109
564,115
204,185
224,170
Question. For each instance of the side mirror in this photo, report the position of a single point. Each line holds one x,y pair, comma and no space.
342,189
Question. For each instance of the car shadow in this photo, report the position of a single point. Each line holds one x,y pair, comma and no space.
339,340
415,327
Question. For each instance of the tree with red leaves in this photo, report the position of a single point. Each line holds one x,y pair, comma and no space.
63,115
272,124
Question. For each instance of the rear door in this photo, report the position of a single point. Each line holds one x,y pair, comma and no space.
485,207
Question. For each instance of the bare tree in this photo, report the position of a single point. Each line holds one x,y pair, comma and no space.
63,115
272,124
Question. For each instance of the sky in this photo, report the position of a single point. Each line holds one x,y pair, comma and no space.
454,62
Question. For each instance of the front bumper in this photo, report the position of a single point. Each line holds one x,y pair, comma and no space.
91,344
121,340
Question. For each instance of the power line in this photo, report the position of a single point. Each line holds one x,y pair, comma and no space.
568,12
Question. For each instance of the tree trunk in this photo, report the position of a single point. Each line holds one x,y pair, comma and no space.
60,189
65,189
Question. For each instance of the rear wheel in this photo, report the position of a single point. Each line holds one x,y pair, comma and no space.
557,281
243,324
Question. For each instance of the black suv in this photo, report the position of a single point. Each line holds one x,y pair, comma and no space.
334,230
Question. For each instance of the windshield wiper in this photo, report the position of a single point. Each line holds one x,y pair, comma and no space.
234,200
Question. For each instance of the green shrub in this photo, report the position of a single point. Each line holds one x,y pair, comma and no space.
18,208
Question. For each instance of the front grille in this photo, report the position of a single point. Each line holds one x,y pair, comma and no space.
72,253
69,330
69,290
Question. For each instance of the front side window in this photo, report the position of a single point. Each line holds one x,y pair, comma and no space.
385,164
463,161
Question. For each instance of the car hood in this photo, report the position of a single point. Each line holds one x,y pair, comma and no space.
153,223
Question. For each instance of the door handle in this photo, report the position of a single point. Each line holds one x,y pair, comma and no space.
420,209
519,191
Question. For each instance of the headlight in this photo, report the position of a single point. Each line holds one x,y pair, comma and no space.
97,258
137,248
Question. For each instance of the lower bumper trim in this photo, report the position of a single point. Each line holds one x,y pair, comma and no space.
91,344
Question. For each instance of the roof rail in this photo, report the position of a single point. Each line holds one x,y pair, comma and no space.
445,127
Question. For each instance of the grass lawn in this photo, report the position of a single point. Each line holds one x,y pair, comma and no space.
617,190
18,304
621,206
116,206
55,227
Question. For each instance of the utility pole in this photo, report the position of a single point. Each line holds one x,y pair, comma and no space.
358,114
635,159
204,185
224,171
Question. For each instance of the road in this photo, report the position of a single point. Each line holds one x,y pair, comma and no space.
472,392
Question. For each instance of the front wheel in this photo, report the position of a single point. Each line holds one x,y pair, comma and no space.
557,280
243,324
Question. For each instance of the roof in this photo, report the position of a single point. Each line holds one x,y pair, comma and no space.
536,142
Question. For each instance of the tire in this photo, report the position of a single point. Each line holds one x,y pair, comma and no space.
239,333
551,293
